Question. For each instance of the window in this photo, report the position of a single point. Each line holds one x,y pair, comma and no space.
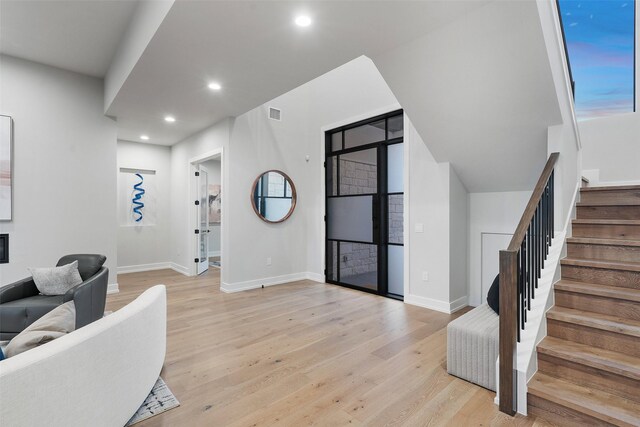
600,41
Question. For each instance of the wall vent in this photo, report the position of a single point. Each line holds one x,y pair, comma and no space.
275,114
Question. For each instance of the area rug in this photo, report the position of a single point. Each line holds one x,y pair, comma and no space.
215,264
159,400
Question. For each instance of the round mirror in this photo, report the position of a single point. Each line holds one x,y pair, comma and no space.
273,196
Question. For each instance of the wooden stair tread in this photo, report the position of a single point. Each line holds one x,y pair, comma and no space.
594,263
607,221
599,321
597,241
616,292
595,403
610,361
611,188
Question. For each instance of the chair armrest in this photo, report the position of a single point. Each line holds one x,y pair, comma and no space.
22,289
89,298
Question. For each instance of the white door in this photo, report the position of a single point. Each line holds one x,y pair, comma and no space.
202,212
492,244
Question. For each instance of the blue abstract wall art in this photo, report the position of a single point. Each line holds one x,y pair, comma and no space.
138,205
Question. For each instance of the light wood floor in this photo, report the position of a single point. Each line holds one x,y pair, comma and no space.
306,354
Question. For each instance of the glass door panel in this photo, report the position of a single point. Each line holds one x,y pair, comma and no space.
359,265
350,218
396,269
395,222
365,134
365,205
359,172
203,221
395,168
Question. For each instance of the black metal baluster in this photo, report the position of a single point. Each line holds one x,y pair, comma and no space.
543,255
546,223
520,297
553,205
540,243
534,251
530,257
525,262
540,250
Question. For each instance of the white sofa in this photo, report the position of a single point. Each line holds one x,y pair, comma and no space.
96,376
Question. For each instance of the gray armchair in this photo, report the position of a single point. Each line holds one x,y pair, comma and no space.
21,303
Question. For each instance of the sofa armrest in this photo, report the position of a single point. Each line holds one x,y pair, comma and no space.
22,289
89,298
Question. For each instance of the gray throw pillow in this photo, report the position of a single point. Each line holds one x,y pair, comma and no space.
56,280
56,323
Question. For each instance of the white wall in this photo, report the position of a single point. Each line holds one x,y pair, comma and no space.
64,164
438,205
459,239
214,168
610,146
428,250
495,213
144,247
214,137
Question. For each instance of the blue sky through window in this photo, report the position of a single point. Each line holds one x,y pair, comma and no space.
600,41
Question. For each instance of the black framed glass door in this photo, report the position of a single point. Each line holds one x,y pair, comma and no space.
364,205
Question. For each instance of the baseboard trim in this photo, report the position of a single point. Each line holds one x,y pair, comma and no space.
458,304
437,305
113,288
151,267
315,277
214,253
179,268
143,267
270,281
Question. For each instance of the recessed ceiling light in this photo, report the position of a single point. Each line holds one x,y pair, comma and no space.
144,137
169,119
303,21
214,86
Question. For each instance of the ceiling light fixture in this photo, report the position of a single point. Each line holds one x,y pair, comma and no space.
169,119
144,137
303,21
214,86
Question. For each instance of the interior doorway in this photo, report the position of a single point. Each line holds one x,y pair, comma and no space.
364,173
205,206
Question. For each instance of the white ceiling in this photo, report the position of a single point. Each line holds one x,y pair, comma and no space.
257,53
80,35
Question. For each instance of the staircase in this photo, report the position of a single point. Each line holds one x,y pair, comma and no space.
589,364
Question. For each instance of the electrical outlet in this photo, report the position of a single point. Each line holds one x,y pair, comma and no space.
419,227
269,261
425,276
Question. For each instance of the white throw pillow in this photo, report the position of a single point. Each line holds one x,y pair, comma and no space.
56,280
56,323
